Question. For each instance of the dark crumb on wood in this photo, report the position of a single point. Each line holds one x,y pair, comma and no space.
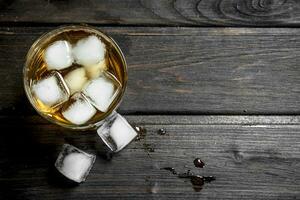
196,179
171,169
198,182
199,163
209,179
148,147
141,131
162,131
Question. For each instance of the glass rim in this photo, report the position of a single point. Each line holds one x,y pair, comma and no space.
56,31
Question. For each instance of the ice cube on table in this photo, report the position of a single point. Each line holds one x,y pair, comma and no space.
116,132
74,163
51,90
76,79
59,55
94,71
78,110
89,51
102,91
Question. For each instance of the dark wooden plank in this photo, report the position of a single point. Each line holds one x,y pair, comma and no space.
248,120
253,157
151,12
184,70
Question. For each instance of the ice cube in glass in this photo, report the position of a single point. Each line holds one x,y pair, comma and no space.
102,91
51,90
78,109
89,50
58,55
76,79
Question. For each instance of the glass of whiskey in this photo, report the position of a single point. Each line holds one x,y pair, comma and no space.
76,76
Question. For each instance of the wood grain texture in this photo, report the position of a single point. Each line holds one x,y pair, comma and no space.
259,159
183,70
151,12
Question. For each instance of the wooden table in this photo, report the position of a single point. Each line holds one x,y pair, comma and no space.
222,77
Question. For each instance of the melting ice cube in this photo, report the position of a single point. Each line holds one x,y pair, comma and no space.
76,79
59,55
102,91
51,90
116,132
78,110
74,163
89,51
94,71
